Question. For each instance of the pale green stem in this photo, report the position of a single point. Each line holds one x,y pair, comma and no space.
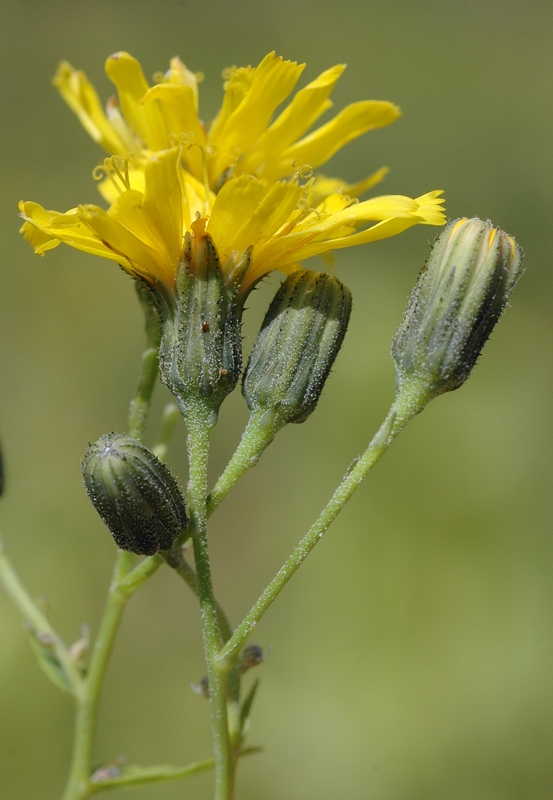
397,418
37,621
140,404
198,425
143,776
258,434
169,420
127,777
78,786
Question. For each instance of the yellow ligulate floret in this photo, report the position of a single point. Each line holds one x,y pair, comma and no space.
246,179
143,229
242,138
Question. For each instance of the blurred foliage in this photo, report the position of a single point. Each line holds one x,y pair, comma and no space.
411,656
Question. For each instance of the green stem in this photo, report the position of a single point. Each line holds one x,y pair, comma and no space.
37,621
394,422
127,777
140,404
199,425
144,776
258,434
176,561
169,420
78,786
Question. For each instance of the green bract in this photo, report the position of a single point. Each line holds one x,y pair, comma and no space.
201,340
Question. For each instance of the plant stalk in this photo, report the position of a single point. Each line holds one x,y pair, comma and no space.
198,425
397,418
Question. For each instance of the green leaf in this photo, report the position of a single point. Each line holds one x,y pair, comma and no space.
112,776
245,711
44,648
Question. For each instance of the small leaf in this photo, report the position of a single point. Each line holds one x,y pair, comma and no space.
113,775
245,711
44,649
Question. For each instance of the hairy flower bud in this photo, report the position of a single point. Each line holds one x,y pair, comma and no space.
135,494
296,347
201,342
458,298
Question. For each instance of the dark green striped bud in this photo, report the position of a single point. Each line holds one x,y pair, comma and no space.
301,335
459,296
135,494
201,342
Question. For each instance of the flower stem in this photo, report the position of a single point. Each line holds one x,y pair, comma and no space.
88,700
78,786
258,434
37,621
397,418
199,425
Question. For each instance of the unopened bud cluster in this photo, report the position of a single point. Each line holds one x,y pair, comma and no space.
458,298
135,494
299,340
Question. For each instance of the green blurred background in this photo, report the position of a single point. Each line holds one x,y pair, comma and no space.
412,655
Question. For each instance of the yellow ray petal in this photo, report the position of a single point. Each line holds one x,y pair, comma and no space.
273,209
323,186
162,204
238,200
179,75
82,99
145,120
304,110
39,241
238,81
319,146
133,253
397,212
67,228
179,109
127,211
272,82
110,188
429,211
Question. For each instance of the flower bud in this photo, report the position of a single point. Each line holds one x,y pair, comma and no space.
201,343
300,337
459,296
252,656
135,494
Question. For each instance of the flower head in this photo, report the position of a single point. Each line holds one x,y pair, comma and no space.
246,180
459,296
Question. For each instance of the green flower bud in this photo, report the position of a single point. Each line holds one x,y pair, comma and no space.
134,493
458,298
301,335
201,342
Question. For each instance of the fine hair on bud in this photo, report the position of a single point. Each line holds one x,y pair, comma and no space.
201,342
295,349
459,296
134,493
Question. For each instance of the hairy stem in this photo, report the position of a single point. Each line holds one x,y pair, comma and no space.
394,422
199,425
78,786
258,434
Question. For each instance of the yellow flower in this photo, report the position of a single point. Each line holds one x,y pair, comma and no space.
246,182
